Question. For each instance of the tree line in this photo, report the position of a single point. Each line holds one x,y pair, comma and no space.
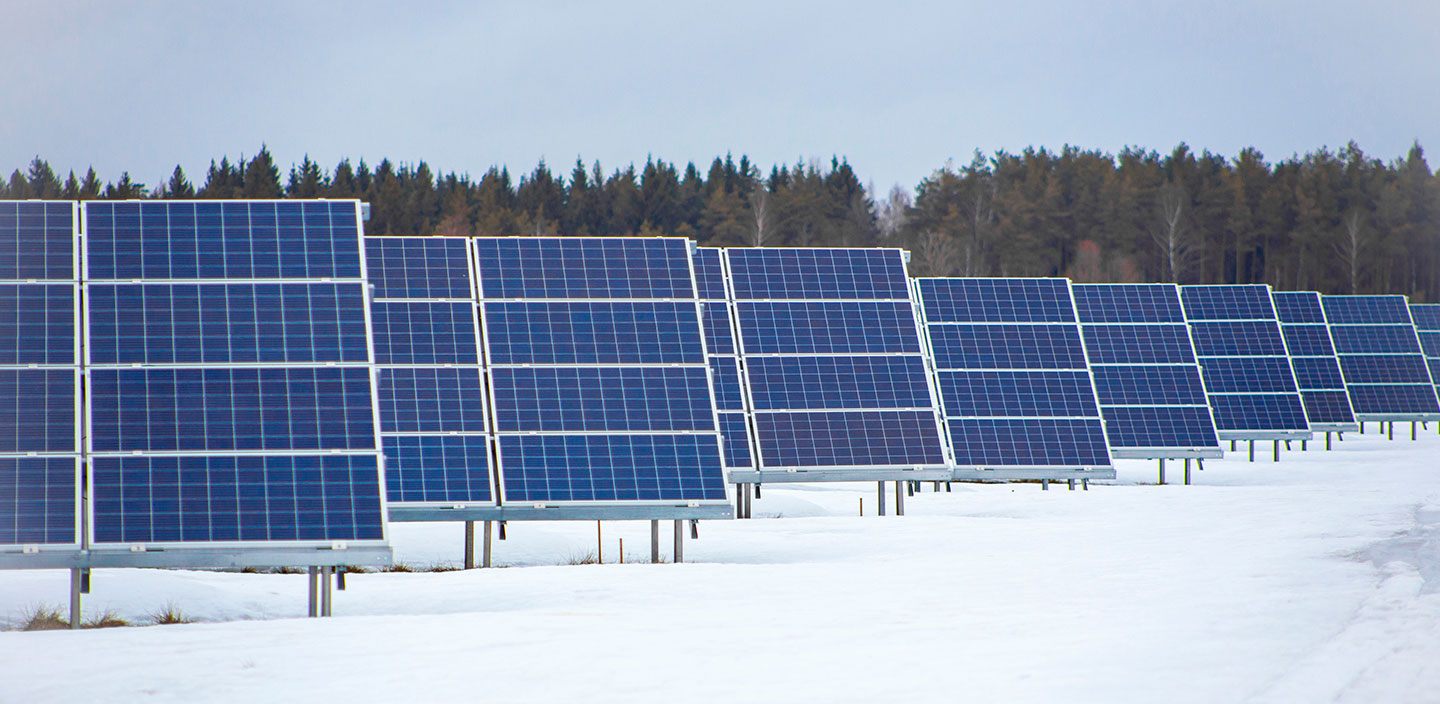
1334,221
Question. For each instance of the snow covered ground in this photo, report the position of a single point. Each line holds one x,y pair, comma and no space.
1313,579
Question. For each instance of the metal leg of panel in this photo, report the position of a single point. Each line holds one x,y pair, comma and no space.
654,541
1412,430
1070,483
1252,450
469,545
1287,445
1084,485
1277,451
1362,427
899,500
1044,485
1390,430
313,588
1232,445
1162,470
1304,445
486,546
1187,472
326,595
1327,440
679,541
75,577
880,502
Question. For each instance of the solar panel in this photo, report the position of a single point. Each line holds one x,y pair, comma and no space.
40,378
833,361
1427,324
231,393
1381,358
1247,372
1015,385
724,356
598,401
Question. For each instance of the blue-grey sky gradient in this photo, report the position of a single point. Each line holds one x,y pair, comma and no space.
897,88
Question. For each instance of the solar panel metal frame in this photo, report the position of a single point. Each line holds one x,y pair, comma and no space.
1408,329
1256,434
1431,361
1016,472
1325,327
1159,452
242,553
746,402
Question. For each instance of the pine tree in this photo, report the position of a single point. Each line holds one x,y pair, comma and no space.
262,177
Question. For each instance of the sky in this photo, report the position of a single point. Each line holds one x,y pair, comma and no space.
896,88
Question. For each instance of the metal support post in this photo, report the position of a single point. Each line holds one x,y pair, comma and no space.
1277,451
909,488
1412,430
1304,445
75,578
313,587
679,541
1187,471
899,500
1070,483
1252,450
1362,427
1084,485
1044,485
325,590
469,545
485,549
1390,430
880,492
1232,445
654,541
1327,440
1162,471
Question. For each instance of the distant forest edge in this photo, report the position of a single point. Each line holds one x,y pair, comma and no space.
1337,222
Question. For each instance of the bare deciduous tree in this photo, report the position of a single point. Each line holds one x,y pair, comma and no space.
1349,247
938,253
760,209
893,212
1171,234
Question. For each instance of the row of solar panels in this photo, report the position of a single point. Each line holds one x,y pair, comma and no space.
251,370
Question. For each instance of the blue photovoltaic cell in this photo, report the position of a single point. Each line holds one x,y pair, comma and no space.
590,267
1138,344
784,273
737,439
1298,307
37,324
38,500
37,410
1374,339
1163,426
431,400
1430,343
1317,373
1327,407
1434,365
1036,442
222,240
725,376
1382,398
1127,303
1227,302
1267,411
221,499
231,409
437,468
1016,394
418,267
410,332
718,337
37,240
1238,339
1227,375
593,333
815,383
1308,341
544,468
227,323
827,328
1385,369
996,300
1366,310
1002,346
848,438
709,277
639,399
1426,316
1148,385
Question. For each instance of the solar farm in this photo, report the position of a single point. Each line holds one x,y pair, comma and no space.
253,405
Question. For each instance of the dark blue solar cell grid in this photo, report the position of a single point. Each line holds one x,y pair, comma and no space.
424,333
816,383
1298,307
848,438
996,300
1029,442
1430,344
1173,426
593,333
725,375
1385,369
1147,385
736,430
1017,394
1263,411
1247,375
1395,399
544,468
1127,303
1434,365
584,267
1007,347
222,499
1308,341
38,500
37,241
639,399
719,339
1138,344
231,409
37,410
1312,373
1327,407
764,273
827,328
1374,339
37,324
709,277
222,240
431,400
227,323
1229,302
1426,316
1238,339
1366,310
437,468
418,267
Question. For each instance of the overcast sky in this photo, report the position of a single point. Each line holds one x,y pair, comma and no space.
897,88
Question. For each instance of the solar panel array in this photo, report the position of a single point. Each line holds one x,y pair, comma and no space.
1380,358
724,355
1014,383
1246,368
1146,377
833,360
1427,326
599,377
427,350
1312,355
40,377
230,390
